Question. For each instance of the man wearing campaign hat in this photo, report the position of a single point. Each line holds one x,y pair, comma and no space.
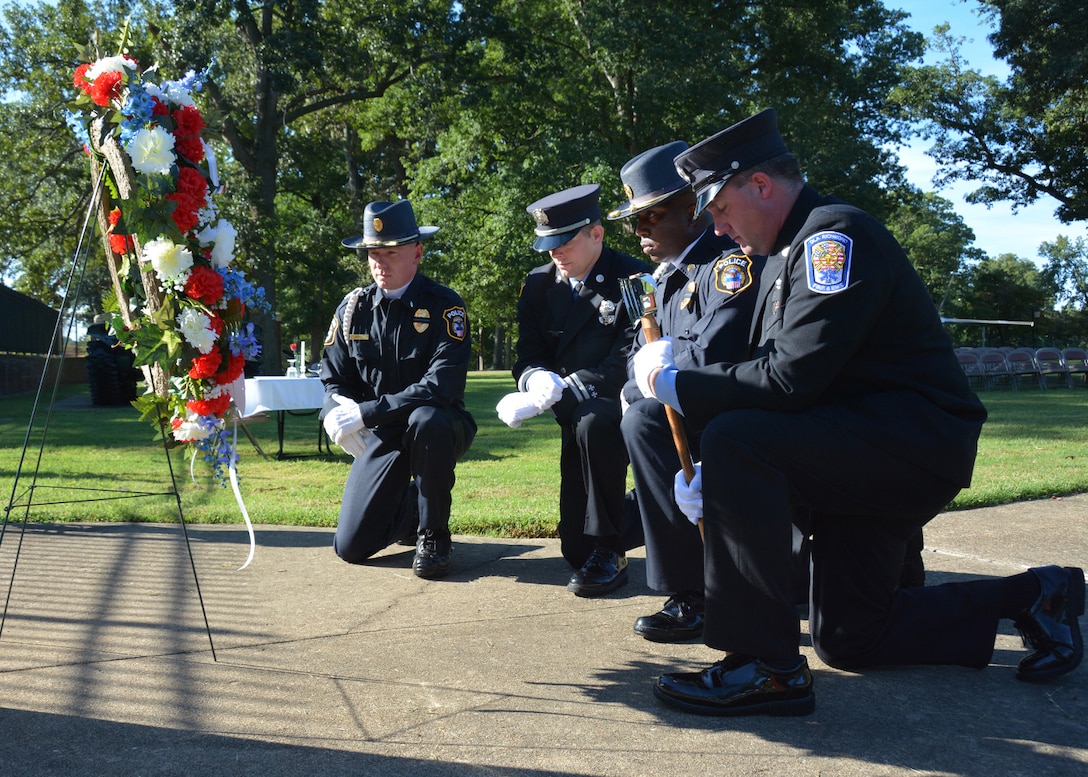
706,289
394,367
854,405
573,339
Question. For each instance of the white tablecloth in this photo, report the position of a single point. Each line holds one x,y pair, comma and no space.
273,393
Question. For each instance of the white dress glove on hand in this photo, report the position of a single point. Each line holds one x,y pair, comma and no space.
648,358
355,442
343,420
545,388
516,407
689,496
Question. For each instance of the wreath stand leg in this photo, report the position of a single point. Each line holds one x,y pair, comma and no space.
25,499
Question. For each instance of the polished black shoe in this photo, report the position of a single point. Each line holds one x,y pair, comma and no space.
433,553
740,685
679,620
604,571
1050,626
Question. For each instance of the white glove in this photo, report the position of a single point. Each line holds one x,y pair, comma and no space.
516,407
344,420
689,496
545,388
649,358
355,442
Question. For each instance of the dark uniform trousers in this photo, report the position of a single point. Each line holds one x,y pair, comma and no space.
379,507
593,468
867,505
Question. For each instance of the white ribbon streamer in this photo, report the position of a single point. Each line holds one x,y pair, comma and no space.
233,469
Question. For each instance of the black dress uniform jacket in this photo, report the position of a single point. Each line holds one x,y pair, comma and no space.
877,346
705,305
569,336
423,360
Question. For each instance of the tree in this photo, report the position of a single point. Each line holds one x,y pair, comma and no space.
1022,139
935,239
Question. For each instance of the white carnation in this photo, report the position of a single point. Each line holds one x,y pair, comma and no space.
190,429
223,250
107,64
171,261
151,150
194,327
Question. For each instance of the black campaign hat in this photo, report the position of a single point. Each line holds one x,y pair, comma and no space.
710,163
387,224
649,179
559,216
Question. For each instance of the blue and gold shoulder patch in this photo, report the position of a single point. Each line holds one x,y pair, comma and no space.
456,322
827,262
732,274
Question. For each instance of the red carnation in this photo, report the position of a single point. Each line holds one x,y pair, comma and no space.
191,182
216,406
106,87
80,78
120,243
204,284
190,147
206,365
235,367
216,324
188,121
159,108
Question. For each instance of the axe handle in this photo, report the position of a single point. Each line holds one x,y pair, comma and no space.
651,331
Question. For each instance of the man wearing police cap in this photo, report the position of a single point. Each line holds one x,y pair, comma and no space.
854,405
573,339
394,367
706,288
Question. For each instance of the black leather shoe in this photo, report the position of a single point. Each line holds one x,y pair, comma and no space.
433,553
1050,627
679,620
740,685
604,571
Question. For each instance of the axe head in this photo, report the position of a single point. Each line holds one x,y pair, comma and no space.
639,296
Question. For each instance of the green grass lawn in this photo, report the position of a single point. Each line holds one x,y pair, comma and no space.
1034,445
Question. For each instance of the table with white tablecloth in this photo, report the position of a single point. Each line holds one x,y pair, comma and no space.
281,395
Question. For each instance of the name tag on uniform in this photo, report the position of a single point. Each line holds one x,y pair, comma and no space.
354,336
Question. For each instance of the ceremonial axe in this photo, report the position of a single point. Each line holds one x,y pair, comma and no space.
639,295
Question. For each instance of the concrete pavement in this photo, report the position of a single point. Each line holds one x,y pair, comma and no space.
325,668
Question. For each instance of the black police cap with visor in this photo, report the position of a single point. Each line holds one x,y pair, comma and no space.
710,163
650,179
388,224
559,216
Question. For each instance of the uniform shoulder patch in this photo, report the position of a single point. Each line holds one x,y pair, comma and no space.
827,262
732,274
456,322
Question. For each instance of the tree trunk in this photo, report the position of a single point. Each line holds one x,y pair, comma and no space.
120,170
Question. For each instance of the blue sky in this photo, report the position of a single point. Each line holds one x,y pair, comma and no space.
997,230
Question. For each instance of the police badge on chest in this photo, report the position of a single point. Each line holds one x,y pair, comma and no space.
607,309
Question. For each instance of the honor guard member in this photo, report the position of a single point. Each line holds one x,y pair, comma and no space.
573,339
854,405
706,290
394,367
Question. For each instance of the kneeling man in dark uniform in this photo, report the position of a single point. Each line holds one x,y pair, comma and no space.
853,405
394,368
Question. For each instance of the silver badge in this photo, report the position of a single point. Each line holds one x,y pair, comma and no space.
607,309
